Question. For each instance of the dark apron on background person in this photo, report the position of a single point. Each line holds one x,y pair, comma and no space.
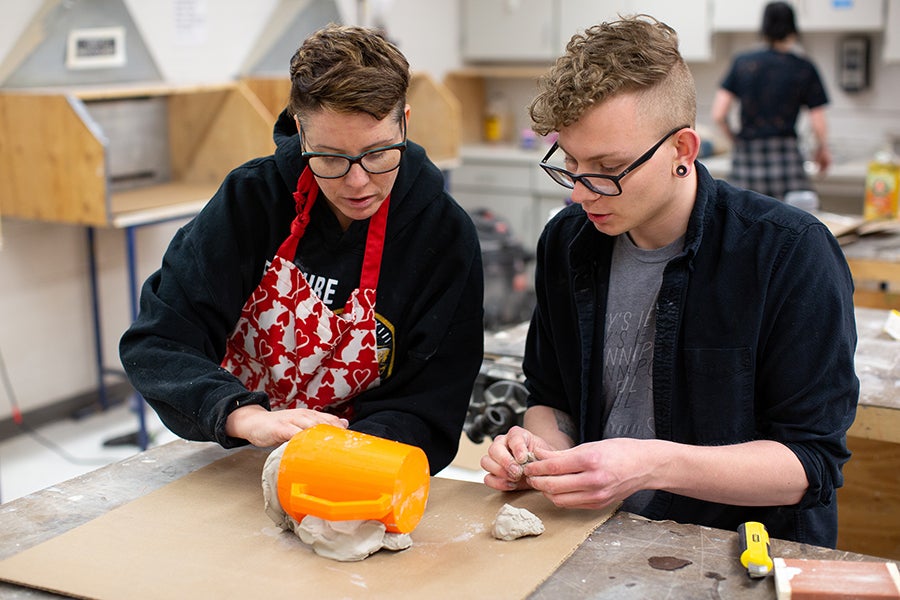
290,345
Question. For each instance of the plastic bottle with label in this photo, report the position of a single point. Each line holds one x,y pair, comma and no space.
882,187
495,120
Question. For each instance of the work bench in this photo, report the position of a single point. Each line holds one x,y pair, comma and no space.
878,369
874,261
613,562
620,559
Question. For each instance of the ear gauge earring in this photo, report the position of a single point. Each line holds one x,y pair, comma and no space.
681,171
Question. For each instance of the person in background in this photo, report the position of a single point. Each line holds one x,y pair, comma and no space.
772,85
334,281
691,350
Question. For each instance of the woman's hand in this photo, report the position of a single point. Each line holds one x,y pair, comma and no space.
265,428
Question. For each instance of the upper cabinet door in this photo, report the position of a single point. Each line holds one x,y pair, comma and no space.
745,15
691,19
577,15
840,15
508,30
812,15
538,30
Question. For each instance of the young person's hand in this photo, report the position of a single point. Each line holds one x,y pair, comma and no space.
598,474
593,475
507,456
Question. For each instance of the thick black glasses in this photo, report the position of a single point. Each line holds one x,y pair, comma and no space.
375,161
605,185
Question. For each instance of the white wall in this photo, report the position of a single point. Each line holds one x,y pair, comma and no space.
211,52
16,16
46,328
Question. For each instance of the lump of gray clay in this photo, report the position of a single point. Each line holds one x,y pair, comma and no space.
511,523
270,490
348,541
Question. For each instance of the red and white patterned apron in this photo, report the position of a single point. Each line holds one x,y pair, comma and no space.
289,344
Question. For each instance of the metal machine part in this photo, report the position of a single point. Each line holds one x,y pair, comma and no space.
498,400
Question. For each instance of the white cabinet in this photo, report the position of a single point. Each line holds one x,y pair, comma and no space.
500,186
691,19
812,15
729,15
577,15
508,30
840,15
538,30
509,183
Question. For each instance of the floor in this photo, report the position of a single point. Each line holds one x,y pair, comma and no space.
65,449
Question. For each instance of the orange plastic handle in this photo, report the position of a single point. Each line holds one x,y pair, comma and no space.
331,510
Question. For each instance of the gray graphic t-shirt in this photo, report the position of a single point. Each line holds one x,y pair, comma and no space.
634,284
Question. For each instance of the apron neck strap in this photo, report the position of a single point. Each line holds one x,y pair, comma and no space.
371,268
304,198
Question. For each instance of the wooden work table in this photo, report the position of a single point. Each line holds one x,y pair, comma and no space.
869,514
872,249
878,369
875,263
612,563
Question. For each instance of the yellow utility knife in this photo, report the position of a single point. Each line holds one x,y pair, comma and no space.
755,549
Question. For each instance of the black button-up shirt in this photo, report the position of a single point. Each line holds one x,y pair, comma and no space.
755,339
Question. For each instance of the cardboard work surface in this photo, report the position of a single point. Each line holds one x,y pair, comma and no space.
206,535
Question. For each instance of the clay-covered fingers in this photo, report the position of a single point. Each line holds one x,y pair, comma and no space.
504,471
493,462
561,480
582,477
521,443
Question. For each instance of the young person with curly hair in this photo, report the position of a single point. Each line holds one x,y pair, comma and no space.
691,351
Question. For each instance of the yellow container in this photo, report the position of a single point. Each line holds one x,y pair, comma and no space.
341,475
882,188
493,128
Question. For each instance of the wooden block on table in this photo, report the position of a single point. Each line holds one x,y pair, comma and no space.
802,579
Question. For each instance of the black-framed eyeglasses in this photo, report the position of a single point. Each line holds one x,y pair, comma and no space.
605,185
375,161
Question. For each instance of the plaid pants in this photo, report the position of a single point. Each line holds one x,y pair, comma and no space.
771,166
